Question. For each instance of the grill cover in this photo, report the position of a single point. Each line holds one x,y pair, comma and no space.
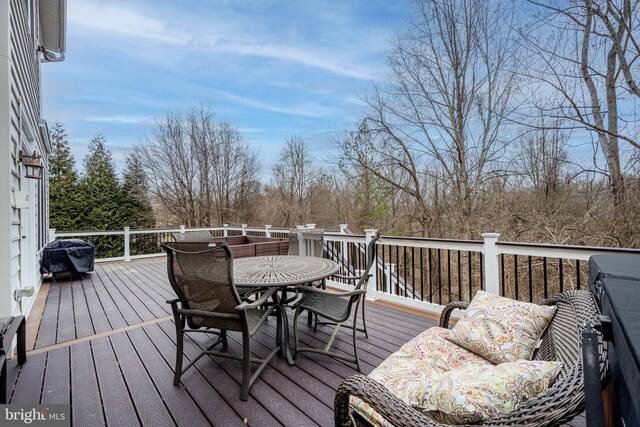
67,255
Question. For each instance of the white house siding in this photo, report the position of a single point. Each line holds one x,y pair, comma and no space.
19,123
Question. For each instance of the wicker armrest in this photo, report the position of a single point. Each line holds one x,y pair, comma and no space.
379,398
448,309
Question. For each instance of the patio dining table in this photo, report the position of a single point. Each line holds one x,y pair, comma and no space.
282,271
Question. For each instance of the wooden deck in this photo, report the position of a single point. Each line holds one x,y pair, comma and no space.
106,346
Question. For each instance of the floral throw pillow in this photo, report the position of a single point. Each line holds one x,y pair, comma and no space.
501,329
477,393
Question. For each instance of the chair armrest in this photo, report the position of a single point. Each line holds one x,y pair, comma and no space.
208,314
309,289
173,301
385,403
257,303
448,309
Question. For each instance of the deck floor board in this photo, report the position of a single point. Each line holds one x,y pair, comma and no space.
126,378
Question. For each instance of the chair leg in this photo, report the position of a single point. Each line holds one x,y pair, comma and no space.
310,319
223,337
179,347
355,346
279,331
295,332
246,365
364,321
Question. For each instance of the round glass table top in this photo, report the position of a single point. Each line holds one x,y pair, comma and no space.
281,270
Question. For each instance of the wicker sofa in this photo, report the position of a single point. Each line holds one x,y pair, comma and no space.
560,403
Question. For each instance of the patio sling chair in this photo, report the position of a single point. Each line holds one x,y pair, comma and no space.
562,401
336,308
189,245
208,299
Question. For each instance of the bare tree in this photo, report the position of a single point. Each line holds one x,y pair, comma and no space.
200,170
585,47
542,161
439,119
293,177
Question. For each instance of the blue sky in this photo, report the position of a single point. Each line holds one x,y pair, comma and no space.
272,68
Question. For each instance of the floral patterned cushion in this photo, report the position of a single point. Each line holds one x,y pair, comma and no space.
501,329
476,393
427,354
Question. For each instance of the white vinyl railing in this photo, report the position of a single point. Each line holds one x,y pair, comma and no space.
421,273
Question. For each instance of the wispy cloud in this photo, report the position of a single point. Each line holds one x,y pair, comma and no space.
306,109
251,130
330,63
123,21
129,22
120,118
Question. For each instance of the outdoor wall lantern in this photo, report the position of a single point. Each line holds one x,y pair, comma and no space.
48,56
32,166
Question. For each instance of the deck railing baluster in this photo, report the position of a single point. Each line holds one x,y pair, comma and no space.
530,281
430,278
439,277
459,279
561,273
413,272
502,280
469,259
421,274
449,274
515,272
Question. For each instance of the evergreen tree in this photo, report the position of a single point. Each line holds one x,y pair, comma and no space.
101,190
136,204
64,201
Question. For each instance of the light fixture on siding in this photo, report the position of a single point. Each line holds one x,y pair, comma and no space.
49,56
32,166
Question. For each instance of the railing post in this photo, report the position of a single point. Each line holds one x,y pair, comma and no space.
244,229
267,232
225,231
491,271
373,280
389,269
52,235
127,251
345,245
